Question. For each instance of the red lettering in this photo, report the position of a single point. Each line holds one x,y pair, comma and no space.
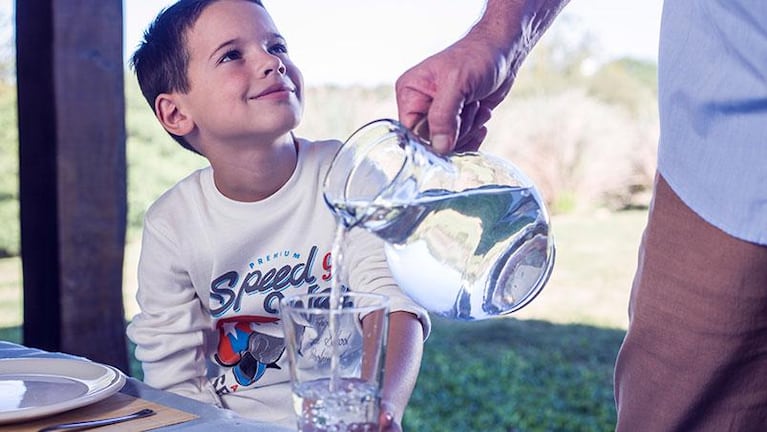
327,265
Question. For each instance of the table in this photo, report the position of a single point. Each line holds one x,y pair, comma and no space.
210,418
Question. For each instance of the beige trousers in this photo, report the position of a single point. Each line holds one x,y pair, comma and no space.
695,354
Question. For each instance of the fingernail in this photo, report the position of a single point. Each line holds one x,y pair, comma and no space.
441,143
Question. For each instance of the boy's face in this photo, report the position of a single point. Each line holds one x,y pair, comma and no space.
243,85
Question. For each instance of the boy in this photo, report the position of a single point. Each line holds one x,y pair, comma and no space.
225,244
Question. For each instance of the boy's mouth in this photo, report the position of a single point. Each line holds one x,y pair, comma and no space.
276,89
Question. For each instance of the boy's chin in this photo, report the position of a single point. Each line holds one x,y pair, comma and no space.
284,125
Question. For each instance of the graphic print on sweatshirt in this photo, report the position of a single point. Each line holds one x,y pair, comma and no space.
246,307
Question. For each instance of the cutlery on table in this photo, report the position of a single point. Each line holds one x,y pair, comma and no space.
88,424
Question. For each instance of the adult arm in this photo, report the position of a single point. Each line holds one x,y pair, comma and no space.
457,88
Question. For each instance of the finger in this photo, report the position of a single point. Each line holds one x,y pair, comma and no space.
471,141
412,103
468,118
499,95
412,108
483,115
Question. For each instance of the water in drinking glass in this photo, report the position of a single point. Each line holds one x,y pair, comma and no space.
350,407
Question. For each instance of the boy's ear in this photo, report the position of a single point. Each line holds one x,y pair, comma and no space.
171,116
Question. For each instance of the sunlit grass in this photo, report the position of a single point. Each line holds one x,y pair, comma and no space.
10,292
595,263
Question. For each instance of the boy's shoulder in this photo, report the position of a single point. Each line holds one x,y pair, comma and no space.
324,149
185,193
316,156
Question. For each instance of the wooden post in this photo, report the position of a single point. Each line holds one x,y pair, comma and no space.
37,174
73,175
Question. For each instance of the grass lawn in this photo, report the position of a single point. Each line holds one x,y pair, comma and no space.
546,368
515,375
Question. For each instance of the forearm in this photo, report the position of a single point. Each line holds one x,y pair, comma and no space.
403,362
515,26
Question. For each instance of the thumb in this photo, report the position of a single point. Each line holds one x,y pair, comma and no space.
444,120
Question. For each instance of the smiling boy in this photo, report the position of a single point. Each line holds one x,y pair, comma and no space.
222,246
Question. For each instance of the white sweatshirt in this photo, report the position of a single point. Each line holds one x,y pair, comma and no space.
212,271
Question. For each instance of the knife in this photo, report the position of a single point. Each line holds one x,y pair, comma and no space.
89,424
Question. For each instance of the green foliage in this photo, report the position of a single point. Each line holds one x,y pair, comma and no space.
11,334
7,49
644,71
629,83
556,63
511,375
9,173
566,202
333,112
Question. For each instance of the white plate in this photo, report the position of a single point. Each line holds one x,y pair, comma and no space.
39,387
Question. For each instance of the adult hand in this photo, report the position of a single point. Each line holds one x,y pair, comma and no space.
454,91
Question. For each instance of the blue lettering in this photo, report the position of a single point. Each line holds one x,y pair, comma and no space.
221,290
272,301
274,281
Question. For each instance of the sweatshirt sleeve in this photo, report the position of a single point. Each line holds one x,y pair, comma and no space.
170,329
368,271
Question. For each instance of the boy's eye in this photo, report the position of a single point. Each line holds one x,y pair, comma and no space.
230,55
278,48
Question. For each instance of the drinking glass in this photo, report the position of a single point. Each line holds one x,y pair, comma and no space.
336,350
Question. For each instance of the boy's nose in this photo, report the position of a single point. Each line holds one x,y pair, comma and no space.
274,65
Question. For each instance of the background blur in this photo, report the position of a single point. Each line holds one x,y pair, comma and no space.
581,121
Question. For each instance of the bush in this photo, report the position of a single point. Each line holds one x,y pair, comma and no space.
580,151
9,167
336,112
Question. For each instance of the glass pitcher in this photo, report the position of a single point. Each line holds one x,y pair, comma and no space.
466,236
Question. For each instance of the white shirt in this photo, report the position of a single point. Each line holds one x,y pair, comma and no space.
212,271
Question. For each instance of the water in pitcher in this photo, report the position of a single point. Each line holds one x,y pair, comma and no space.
467,255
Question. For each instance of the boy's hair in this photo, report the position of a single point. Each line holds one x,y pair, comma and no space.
161,58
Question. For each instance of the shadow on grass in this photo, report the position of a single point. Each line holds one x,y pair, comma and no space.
506,375
515,375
